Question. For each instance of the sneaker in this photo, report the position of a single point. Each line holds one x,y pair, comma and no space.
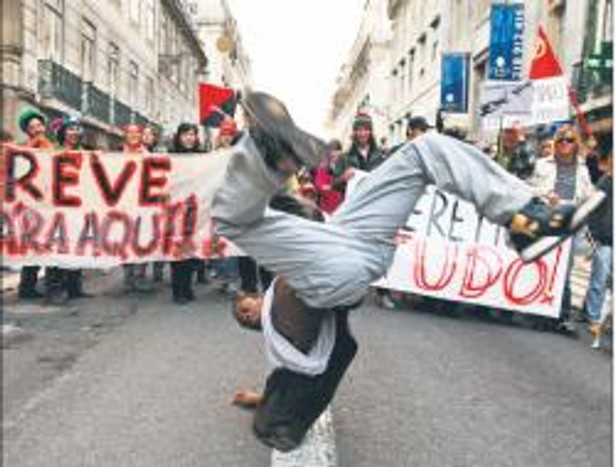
565,327
181,300
30,294
143,286
57,298
271,116
538,227
75,295
387,302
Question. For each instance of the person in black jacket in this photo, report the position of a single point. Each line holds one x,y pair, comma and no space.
601,228
364,154
517,155
185,140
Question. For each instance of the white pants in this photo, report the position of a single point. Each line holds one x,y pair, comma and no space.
333,264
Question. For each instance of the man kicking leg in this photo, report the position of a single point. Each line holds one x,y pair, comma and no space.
326,269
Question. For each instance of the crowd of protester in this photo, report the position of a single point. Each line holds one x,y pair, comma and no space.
559,164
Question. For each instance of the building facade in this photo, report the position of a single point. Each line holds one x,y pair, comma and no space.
229,63
363,84
422,30
129,61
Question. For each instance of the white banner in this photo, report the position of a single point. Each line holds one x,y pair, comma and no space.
505,103
446,250
91,209
551,100
527,103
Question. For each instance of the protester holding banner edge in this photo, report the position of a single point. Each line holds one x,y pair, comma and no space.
185,140
135,280
364,154
564,179
34,125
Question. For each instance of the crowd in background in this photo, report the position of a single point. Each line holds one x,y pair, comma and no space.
559,164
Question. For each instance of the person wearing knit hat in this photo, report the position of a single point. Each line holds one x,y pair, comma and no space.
362,119
34,124
364,153
227,132
68,132
64,284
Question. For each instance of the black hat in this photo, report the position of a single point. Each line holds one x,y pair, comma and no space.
418,123
272,116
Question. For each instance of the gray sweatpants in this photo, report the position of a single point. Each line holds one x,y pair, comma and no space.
333,264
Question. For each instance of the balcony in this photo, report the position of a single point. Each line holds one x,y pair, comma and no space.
55,81
122,114
140,119
591,84
97,103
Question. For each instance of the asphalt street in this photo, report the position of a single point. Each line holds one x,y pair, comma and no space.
136,381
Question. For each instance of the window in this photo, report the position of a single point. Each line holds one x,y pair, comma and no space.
163,37
113,67
149,96
402,79
52,24
133,86
88,50
422,54
435,25
149,20
411,59
134,10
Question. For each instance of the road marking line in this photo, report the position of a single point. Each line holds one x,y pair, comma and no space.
317,450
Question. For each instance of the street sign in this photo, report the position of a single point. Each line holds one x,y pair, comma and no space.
506,42
454,82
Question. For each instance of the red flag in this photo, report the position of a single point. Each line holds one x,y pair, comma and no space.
545,63
215,104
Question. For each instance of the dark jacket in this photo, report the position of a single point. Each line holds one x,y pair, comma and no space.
601,221
374,158
519,161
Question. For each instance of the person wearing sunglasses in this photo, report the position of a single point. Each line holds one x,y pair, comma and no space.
563,179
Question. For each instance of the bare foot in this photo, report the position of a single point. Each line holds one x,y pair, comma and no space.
247,399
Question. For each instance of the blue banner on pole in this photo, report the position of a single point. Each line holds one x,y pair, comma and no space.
454,83
506,42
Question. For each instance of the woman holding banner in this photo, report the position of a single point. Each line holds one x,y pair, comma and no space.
564,180
60,281
34,125
185,140
135,280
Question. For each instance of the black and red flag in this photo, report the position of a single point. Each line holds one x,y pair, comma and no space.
216,103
